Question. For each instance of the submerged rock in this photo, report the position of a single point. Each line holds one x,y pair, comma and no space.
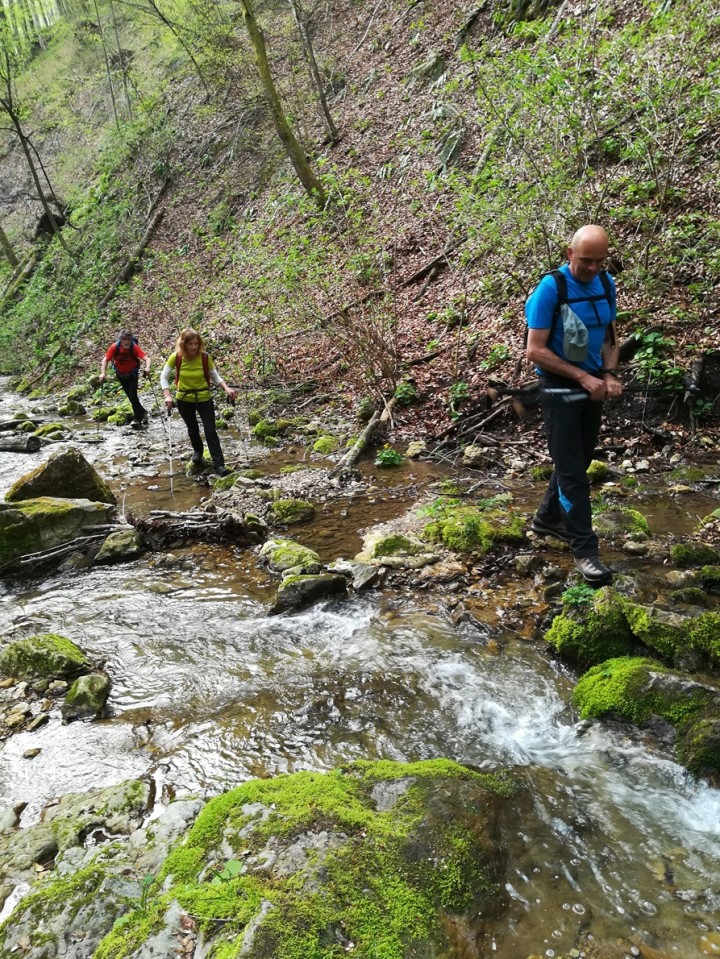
67,474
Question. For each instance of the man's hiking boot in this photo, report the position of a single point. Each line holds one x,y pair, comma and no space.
543,528
136,424
593,570
223,471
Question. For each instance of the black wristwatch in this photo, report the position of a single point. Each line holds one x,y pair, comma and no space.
612,372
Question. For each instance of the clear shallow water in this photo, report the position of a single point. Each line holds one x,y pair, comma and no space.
208,690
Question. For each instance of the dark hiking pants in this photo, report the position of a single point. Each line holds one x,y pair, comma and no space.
205,409
130,386
571,428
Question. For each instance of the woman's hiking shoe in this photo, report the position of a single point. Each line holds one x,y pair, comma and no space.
593,570
222,471
542,528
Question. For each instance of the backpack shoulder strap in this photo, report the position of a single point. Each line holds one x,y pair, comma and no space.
178,361
609,294
206,367
562,295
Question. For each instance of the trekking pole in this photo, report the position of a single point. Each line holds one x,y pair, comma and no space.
97,419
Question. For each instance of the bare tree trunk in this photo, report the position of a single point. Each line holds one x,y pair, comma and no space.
123,68
296,153
7,103
7,249
314,71
107,64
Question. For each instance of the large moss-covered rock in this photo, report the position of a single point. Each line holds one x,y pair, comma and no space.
47,656
385,859
32,525
284,554
67,474
593,630
86,697
636,689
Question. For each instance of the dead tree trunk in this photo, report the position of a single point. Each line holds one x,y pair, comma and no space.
292,147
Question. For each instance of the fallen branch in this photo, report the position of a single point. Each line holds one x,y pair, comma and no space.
132,262
377,420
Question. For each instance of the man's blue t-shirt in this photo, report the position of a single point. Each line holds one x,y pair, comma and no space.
597,315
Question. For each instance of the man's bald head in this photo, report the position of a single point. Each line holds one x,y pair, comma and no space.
587,252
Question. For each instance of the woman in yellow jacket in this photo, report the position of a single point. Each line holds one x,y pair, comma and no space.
194,373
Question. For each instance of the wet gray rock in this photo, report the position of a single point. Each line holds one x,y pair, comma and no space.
297,591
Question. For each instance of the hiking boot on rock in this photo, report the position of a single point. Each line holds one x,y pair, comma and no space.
543,527
223,471
593,570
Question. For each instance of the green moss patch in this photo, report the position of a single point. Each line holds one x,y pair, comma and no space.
686,555
475,529
47,656
374,854
593,630
292,511
620,522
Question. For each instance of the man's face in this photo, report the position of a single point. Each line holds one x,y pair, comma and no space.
126,342
588,259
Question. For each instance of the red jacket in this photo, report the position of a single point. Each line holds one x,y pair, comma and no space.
125,361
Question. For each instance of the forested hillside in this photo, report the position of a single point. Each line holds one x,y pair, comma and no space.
365,211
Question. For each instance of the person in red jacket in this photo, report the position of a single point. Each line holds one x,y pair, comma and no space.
127,358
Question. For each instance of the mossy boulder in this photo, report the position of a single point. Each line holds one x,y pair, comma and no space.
47,656
300,590
708,578
694,553
86,697
121,545
593,631
71,408
597,471
665,633
476,529
396,859
32,525
636,689
292,511
284,554
325,445
67,474
48,428
621,522
264,429
704,634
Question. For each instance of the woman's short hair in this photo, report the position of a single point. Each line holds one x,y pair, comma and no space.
185,336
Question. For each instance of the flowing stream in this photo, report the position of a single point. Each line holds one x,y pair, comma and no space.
208,690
